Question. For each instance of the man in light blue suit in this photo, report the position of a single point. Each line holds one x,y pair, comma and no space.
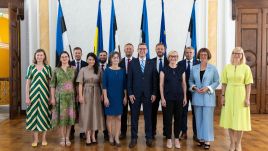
204,79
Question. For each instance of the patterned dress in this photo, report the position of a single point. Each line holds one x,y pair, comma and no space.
37,114
63,113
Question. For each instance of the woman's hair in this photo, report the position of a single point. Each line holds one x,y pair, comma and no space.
172,53
206,50
238,50
96,65
112,55
37,51
69,62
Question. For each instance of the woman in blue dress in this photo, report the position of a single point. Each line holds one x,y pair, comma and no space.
114,93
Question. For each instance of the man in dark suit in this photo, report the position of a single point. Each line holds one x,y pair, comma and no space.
103,55
142,87
188,63
78,63
124,63
160,61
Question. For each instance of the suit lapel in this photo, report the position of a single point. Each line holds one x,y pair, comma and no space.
206,72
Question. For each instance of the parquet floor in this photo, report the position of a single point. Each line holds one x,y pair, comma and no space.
14,137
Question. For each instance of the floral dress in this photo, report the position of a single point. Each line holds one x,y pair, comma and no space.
63,113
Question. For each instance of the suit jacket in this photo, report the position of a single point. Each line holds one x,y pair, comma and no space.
210,79
83,63
183,64
122,63
139,83
166,62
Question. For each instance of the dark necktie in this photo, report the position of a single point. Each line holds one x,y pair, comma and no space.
102,67
188,69
77,66
160,65
128,62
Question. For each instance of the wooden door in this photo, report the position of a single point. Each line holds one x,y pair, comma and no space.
15,72
249,37
264,100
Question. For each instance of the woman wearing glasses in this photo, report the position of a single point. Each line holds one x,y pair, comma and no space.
236,85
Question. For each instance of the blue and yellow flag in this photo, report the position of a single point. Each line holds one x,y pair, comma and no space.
98,40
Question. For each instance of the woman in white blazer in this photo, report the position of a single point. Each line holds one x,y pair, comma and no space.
204,79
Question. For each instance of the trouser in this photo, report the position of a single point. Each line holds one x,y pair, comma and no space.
135,111
173,109
204,122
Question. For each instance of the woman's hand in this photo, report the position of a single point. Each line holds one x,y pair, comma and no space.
81,99
203,90
163,102
247,103
222,100
125,101
28,101
52,101
184,101
106,102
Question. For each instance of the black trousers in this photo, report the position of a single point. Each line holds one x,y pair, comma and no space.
183,127
155,107
124,119
135,112
173,109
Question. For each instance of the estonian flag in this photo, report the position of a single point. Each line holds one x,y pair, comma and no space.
98,40
144,28
113,28
163,28
62,42
191,38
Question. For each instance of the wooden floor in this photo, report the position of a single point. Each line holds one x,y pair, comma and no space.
14,137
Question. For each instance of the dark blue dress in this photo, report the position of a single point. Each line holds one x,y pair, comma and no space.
114,81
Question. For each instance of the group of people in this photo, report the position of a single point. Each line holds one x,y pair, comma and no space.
96,94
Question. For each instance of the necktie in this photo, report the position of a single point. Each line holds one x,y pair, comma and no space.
160,65
188,69
77,66
128,61
142,65
102,67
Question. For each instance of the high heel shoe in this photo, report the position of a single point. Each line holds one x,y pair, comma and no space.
34,144
169,144
68,142
177,144
62,141
44,143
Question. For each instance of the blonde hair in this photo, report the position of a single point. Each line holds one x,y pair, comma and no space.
238,50
172,53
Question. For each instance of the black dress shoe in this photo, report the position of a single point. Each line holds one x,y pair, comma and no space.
122,136
132,143
195,138
82,136
149,142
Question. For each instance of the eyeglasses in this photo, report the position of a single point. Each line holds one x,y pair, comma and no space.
173,56
237,53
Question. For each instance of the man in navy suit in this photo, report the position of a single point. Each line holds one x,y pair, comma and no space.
142,87
188,63
124,63
78,63
160,61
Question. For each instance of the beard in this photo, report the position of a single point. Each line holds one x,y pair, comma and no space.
103,61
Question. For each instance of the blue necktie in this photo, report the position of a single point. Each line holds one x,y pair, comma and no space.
142,66
188,69
160,65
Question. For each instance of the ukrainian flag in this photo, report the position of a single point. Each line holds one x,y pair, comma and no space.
98,40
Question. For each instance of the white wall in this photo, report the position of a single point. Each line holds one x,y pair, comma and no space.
81,20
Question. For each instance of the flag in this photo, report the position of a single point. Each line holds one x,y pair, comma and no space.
144,28
113,29
163,28
191,38
62,42
98,40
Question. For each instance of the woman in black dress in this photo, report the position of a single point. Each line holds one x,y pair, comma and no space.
173,96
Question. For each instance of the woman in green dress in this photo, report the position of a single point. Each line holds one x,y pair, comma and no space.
62,98
37,97
236,85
